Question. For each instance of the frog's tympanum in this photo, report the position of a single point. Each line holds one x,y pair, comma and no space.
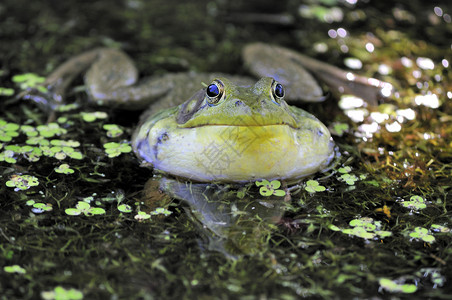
235,129
227,132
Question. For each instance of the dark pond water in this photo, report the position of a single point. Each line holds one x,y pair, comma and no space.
75,221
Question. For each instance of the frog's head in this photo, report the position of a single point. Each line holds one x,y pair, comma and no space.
232,133
225,103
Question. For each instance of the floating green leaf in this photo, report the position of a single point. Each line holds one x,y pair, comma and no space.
439,228
141,215
22,182
125,208
270,188
350,179
366,228
422,234
416,202
50,130
340,128
93,116
64,169
85,208
344,170
41,207
114,149
392,286
161,211
14,269
29,130
60,293
30,80
6,91
8,156
68,107
8,131
113,130
313,186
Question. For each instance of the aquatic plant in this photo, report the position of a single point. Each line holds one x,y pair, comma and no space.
421,233
6,91
30,80
8,130
114,149
313,186
141,215
340,128
93,116
50,130
113,130
161,211
270,188
124,208
22,182
366,228
14,269
60,293
64,169
85,208
394,287
415,202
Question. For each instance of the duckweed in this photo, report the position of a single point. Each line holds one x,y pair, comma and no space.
85,208
312,186
161,211
141,216
50,130
421,233
8,131
439,228
93,116
340,128
22,182
394,287
114,149
113,130
30,80
8,156
29,130
124,208
415,202
38,207
64,169
6,91
270,188
14,269
349,179
366,228
60,293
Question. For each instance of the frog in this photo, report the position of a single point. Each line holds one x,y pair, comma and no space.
232,133
235,129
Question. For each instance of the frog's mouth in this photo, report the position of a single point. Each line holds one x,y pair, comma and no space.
242,125
242,121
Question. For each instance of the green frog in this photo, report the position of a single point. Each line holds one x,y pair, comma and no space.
233,130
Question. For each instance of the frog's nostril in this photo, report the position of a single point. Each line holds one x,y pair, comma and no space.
238,103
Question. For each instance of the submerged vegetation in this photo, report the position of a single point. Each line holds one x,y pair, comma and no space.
75,221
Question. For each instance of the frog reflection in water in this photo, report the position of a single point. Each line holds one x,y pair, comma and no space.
235,130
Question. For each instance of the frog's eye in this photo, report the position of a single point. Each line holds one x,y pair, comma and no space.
214,92
277,91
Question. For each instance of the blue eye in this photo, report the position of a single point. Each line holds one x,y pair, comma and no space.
214,92
279,90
